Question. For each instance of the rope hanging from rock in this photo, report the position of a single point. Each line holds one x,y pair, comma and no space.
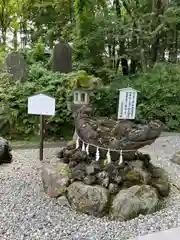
85,147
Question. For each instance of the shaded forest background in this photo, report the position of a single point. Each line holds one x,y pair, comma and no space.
124,43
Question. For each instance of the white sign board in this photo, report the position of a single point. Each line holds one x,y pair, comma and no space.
127,103
41,105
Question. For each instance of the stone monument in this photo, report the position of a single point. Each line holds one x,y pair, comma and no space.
62,58
16,66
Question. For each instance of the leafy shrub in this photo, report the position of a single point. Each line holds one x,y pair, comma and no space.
158,99
14,120
159,96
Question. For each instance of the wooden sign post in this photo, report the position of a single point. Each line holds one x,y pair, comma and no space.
41,137
41,105
127,103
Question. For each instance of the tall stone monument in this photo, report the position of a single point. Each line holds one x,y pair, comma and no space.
16,66
62,58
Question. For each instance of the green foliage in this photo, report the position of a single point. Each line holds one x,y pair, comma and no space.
38,50
158,98
14,120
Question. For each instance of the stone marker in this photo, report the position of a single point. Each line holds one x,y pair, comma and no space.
16,66
176,158
62,58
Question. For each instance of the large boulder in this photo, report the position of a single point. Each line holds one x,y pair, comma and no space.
131,202
88,199
5,151
56,179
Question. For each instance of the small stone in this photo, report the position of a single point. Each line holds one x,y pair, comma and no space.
79,156
90,180
114,173
62,201
176,158
103,179
137,176
79,172
160,181
113,188
136,164
118,179
72,164
68,153
60,154
90,170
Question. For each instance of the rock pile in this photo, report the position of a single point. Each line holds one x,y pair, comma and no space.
119,191
99,186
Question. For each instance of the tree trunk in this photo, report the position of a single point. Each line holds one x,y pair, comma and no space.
173,49
157,9
154,49
121,52
3,32
125,67
15,41
162,48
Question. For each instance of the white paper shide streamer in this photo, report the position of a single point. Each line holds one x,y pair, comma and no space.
77,143
83,147
120,158
87,149
108,155
97,154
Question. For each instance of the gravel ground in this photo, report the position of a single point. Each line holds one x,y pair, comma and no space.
27,213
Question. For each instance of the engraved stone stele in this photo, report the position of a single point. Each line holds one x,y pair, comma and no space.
16,66
62,58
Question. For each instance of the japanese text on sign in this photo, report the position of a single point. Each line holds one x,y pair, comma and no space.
127,103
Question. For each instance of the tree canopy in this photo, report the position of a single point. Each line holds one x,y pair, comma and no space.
119,35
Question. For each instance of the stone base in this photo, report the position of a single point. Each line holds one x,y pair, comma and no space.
97,188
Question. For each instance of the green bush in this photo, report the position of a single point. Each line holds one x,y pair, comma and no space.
158,99
14,120
159,96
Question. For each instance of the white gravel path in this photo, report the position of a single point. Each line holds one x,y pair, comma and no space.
26,213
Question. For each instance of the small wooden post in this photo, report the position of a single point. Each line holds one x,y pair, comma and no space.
41,138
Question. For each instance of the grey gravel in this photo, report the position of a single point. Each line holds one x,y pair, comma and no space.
27,213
